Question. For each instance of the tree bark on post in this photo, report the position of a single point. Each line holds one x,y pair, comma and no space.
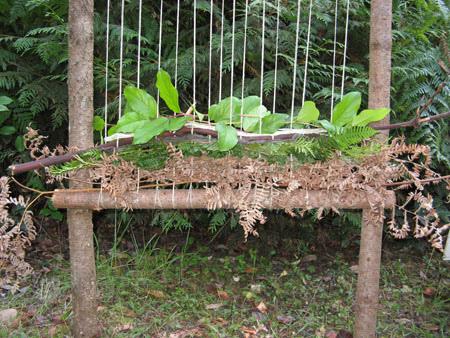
80,90
367,292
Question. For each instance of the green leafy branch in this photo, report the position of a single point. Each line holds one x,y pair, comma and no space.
141,118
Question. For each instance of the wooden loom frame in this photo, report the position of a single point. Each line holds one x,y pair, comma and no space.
80,82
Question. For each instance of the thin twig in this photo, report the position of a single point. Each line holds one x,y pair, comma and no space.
427,180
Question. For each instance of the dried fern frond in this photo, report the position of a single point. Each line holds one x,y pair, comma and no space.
16,233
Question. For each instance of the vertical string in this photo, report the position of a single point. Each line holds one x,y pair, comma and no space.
159,49
194,65
334,58
122,15
106,69
211,22
194,56
138,81
177,39
221,49
294,79
307,52
262,48
232,61
244,56
276,59
345,48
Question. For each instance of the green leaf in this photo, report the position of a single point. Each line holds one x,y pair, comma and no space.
370,115
167,91
7,130
271,123
128,123
252,106
150,129
250,103
4,115
112,130
308,113
3,108
139,101
200,116
347,109
227,137
5,100
220,112
19,143
328,126
346,137
177,123
99,123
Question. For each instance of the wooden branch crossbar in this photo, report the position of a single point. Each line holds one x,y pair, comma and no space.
197,131
199,198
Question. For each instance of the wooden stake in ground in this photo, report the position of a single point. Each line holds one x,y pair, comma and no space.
372,227
80,86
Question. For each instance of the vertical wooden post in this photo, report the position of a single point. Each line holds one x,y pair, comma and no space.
367,292
80,90
380,57
368,274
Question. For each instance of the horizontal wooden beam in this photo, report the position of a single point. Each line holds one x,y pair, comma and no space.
199,198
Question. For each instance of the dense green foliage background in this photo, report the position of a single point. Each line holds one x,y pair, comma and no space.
33,62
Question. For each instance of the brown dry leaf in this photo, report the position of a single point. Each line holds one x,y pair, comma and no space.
250,270
52,331
331,334
309,258
7,316
156,294
223,295
129,313
320,332
213,306
124,328
344,334
190,332
284,273
429,292
262,307
248,331
285,319
256,288
221,321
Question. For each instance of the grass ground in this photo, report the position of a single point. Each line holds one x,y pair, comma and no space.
208,291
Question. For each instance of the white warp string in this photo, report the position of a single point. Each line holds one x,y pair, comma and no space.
177,42
221,49
307,52
232,60
105,113
344,62
211,22
294,79
334,58
159,48
122,15
263,40
138,80
194,66
244,57
276,59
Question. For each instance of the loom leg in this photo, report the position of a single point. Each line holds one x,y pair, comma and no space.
368,274
82,264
